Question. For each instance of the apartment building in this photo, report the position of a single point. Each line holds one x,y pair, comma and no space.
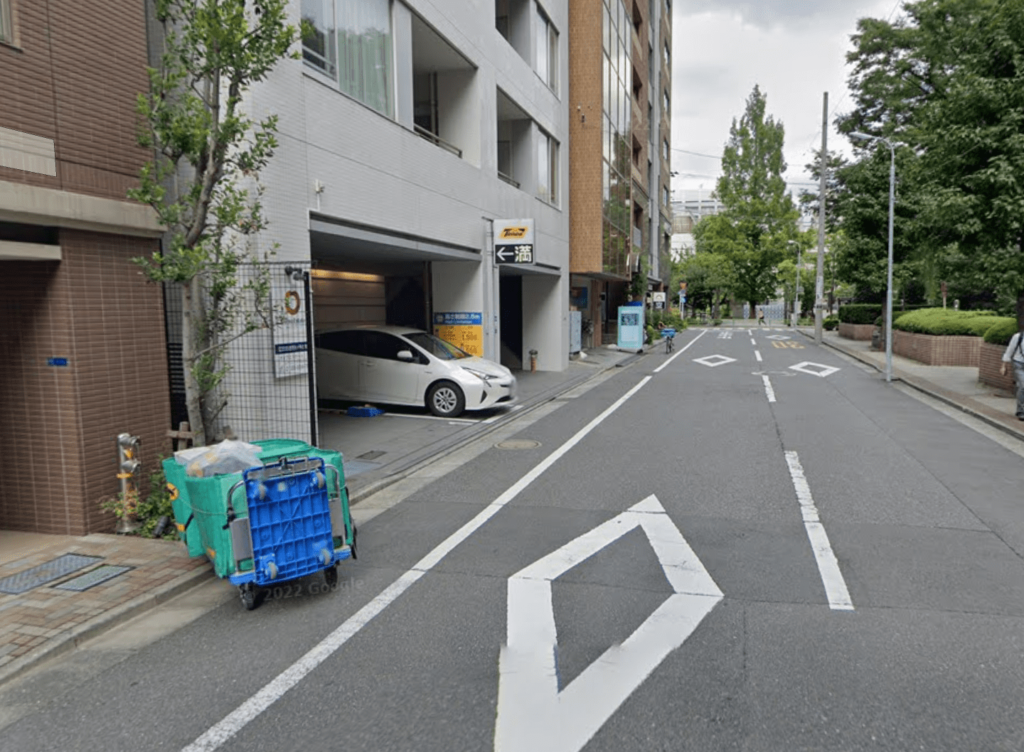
620,91
81,332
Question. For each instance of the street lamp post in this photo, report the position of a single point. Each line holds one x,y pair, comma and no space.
888,288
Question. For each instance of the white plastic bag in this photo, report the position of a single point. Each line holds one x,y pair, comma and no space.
219,459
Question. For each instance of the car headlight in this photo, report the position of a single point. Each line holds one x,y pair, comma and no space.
484,377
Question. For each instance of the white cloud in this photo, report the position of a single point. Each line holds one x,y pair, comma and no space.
793,49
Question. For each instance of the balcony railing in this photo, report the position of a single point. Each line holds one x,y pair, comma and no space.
437,140
508,179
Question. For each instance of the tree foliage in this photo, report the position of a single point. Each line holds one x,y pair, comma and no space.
759,217
946,79
211,151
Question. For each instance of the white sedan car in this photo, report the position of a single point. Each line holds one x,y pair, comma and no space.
399,366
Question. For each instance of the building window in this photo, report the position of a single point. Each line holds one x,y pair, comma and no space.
664,195
359,58
668,107
664,150
547,168
668,57
547,51
6,25
319,48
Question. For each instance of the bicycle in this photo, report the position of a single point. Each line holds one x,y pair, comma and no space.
669,335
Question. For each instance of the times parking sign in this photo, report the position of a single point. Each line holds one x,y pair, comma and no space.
513,241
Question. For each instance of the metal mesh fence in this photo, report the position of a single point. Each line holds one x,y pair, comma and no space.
269,386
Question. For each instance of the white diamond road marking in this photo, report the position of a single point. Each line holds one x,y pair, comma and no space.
814,369
779,337
713,361
533,715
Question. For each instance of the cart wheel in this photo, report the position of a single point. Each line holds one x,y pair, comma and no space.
331,576
355,533
248,595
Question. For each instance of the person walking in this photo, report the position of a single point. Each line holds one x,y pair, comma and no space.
760,316
1015,355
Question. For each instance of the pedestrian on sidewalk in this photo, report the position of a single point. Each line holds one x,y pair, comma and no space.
760,316
1015,354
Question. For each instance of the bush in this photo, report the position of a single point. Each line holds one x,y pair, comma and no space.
830,323
945,321
1000,332
859,313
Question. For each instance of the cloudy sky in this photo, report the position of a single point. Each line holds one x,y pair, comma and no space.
794,49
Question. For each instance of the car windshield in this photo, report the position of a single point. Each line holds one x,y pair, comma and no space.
437,346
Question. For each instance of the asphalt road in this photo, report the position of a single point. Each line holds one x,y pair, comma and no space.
732,548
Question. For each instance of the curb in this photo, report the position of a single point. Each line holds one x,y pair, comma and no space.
107,620
964,404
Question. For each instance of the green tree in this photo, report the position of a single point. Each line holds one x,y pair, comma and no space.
809,203
761,214
212,150
709,280
947,80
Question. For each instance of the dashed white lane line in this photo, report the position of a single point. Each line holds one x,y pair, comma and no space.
768,388
757,355
828,566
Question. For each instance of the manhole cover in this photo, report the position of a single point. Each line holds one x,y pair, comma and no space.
93,578
518,444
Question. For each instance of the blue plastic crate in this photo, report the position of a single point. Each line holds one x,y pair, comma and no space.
289,521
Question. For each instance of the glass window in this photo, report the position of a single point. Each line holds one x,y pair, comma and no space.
547,51
319,48
547,168
668,108
6,25
668,56
364,51
437,347
664,150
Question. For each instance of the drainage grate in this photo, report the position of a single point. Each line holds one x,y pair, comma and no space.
95,577
52,570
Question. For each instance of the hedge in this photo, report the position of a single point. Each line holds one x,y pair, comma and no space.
1000,332
859,313
945,321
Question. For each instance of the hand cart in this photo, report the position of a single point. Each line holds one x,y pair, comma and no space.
297,523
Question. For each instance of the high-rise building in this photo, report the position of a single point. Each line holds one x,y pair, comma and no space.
620,105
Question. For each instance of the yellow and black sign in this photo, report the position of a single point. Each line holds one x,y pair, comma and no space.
513,241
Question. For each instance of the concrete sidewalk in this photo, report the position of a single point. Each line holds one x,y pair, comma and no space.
45,620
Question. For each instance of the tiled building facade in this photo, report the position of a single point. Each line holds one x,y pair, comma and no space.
81,331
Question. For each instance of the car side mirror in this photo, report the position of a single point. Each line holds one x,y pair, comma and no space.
406,355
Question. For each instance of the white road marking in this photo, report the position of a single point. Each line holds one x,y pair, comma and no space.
828,565
533,715
226,728
814,369
753,342
768,388
681,351
757,355
713,361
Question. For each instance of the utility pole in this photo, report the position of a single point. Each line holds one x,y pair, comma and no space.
819,283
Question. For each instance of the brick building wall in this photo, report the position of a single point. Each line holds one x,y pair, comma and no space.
585,92
63,83
82,337
96,311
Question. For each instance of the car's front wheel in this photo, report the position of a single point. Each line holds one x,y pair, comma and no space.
446,400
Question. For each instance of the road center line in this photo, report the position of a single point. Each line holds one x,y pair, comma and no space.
828,565
226,728
681,351
757,355
753,342
768,388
